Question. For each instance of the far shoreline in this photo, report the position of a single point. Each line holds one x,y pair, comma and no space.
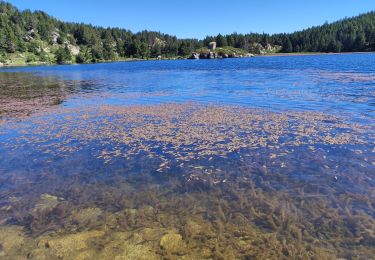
267,55
311,54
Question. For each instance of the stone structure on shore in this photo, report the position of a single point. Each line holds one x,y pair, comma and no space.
212,46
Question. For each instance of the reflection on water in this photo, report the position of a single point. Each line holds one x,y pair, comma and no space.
265,158
336,84
24,93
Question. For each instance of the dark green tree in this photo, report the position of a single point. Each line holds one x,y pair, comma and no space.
287,45
221,41
63,55
360,41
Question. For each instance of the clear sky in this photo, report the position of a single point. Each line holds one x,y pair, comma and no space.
198,18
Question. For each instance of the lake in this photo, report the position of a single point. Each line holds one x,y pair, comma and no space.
264,158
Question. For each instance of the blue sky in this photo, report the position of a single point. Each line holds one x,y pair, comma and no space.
193,18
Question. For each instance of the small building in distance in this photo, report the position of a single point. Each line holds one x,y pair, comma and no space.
212,46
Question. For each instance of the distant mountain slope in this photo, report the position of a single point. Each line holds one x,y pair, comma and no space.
40,37
35,37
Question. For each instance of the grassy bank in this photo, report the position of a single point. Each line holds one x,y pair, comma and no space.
30,59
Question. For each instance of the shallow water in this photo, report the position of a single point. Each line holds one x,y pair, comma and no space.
269,157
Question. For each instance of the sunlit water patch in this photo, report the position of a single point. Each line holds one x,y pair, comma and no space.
251,158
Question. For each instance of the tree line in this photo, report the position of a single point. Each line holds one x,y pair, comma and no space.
346,35
40,34
37,32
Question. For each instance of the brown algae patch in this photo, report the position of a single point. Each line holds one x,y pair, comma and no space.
183,131
345,77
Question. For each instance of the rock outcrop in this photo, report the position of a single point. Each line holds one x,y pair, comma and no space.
194,56
29,35
214,55
54,36
73,49
209,55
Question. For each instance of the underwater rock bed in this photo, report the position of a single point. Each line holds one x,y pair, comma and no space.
177,219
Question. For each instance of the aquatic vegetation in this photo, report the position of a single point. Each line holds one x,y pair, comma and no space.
348,76
212,182
185,132
237,219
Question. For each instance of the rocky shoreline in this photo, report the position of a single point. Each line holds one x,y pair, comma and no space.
214,55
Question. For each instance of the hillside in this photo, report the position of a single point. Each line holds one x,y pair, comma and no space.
347,35
35,37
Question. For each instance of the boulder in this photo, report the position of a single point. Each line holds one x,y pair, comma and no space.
124,245
12,240
172,242
192,228
67,246
233,55
211,55
87,216
194,56
203,56
46,203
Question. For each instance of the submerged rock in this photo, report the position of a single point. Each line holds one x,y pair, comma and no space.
67,246
192,228
172,242
86,216
151,234
12,240
125,245
47,202
137,252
